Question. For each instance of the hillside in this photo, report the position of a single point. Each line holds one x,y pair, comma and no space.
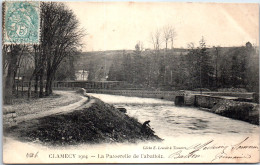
98,63
100,58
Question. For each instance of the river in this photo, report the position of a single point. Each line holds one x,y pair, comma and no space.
168,120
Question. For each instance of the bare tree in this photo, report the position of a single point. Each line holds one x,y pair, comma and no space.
173,35
140,45
156,39
166,35
169,34
61,37
190,45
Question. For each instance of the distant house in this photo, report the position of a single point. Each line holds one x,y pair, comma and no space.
81,75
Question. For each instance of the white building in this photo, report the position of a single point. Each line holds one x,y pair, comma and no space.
81,75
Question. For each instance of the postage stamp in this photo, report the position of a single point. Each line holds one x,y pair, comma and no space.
22,22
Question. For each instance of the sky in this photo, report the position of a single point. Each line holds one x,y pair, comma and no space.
120,25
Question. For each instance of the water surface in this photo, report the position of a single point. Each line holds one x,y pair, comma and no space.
169,120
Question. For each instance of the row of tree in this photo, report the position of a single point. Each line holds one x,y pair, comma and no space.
201,67
60,40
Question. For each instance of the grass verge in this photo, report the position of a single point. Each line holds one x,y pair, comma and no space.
100,123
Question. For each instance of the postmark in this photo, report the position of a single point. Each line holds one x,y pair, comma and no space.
22,22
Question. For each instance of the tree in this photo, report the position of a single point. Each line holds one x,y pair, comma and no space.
38,66
172,36
199,66
127,66
61,38
137,64
156,40
116,70
12,56
91,70
169,34
9,81
166,35
193,63
66,71
206,69
217,49
252,68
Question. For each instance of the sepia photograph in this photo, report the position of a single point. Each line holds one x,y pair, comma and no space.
130,82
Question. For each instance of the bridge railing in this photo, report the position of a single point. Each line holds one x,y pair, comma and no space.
167,95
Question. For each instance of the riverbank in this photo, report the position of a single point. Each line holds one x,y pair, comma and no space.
100,123
248,112
233,107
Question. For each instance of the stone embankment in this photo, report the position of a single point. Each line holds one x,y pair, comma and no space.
244,111
240,108
9,118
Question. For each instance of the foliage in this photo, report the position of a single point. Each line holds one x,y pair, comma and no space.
202,67
66,70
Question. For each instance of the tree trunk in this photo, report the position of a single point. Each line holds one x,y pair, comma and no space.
50,85
36,63
29,93
29,89
10,76
36,84
47,86
48,89
9,85
41,84
17,89
216,68
22,85
14,83
50,77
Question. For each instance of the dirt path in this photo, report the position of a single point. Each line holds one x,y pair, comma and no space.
67,101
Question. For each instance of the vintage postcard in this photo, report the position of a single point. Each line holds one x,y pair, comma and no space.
130,82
